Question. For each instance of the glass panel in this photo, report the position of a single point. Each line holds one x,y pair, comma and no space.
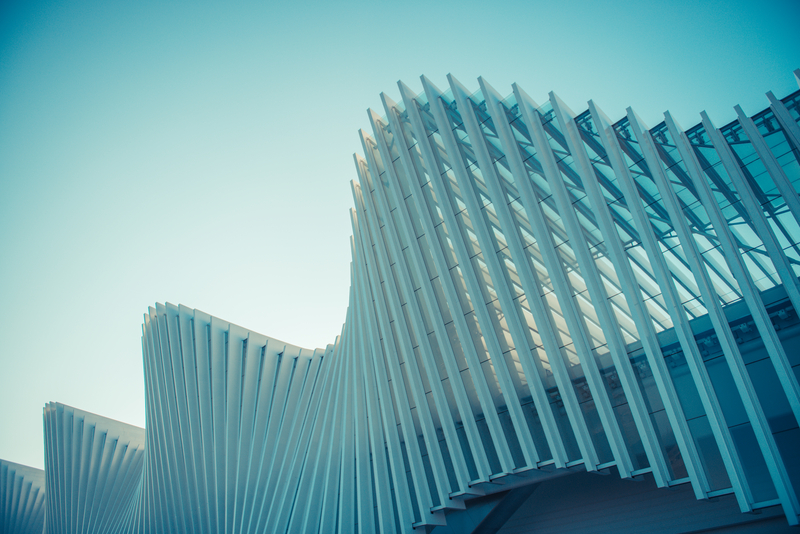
709,453
596,431
537,431
755,468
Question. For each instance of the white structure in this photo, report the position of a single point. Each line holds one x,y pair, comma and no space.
21,499
537,297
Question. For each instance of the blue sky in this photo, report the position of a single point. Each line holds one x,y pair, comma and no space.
201,153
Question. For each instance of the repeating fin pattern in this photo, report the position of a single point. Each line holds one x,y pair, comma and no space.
540,291
534,293
234,419
94,471
21,499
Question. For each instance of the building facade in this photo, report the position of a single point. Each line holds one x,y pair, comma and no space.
538,297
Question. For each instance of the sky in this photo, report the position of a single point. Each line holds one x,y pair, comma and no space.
200,153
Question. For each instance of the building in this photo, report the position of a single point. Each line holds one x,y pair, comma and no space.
538,298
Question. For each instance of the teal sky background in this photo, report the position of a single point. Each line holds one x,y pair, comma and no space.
201,153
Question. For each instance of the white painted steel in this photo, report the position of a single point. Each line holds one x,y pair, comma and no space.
22,502
760,224
530,202
733,258
532,365
561,284
608,322
730,348
642,319
473,285
682,328
443,386
768,159
433,310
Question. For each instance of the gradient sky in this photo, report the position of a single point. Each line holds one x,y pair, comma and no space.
201,153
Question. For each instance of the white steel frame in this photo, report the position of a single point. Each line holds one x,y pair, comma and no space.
486,345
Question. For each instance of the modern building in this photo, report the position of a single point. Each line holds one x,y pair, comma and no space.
538,298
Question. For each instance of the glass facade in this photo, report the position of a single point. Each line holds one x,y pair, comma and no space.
534,293
612,288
